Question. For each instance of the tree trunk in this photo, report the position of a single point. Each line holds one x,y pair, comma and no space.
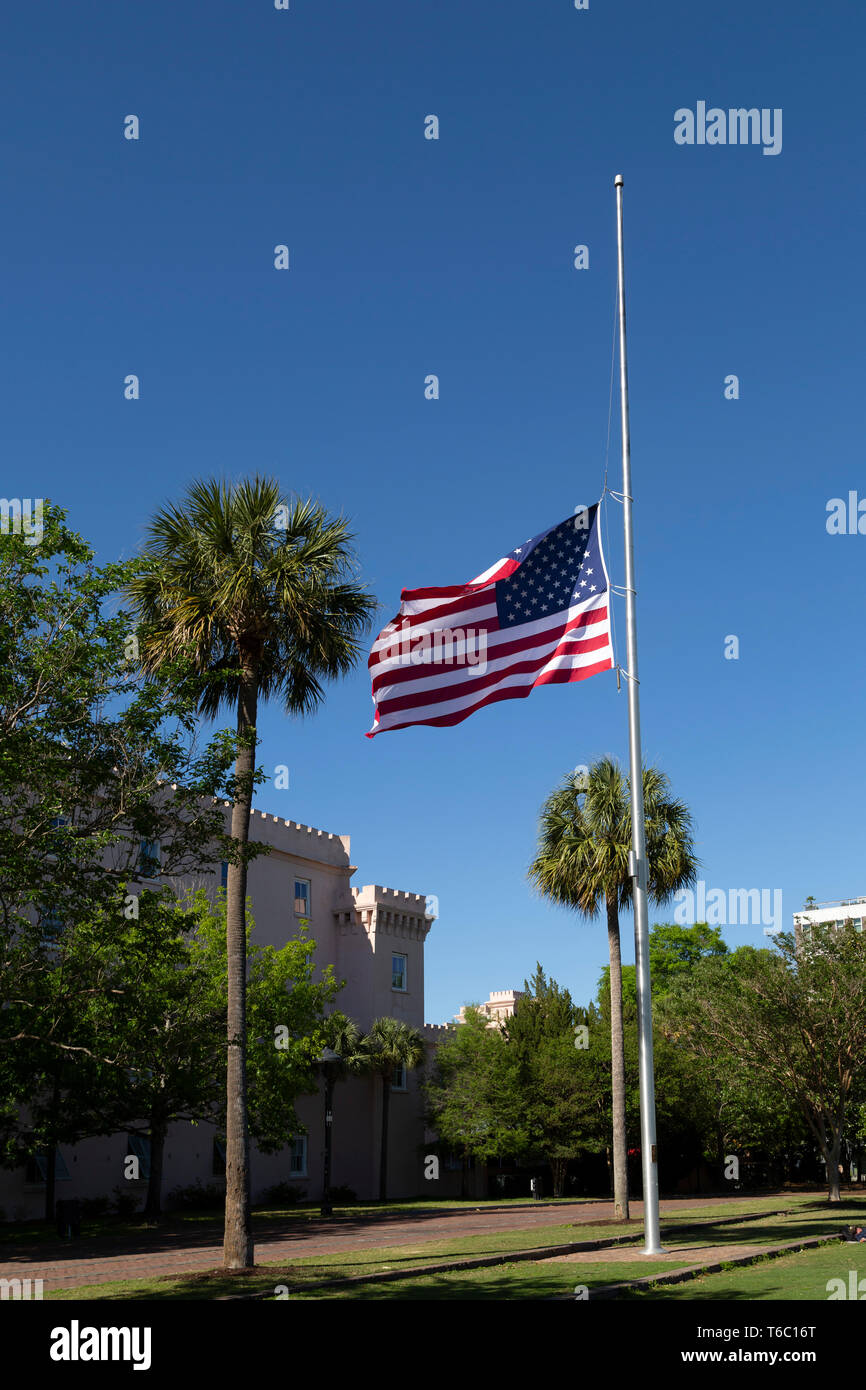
617,1069
829,1151
557,1169
153,1204
383,1157
238,1244
50,1180
831,1154
51,1152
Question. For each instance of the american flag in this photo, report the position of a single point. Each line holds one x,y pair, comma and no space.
538,617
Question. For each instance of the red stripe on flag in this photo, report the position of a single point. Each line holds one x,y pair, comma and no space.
565,677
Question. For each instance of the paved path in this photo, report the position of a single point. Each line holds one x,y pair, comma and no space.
177,1253
678,1255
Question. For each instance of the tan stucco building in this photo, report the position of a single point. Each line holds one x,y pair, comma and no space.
374,937
498,1007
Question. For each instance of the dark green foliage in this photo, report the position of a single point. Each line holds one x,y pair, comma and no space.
565,1087
125,1203
93,1207
778,1034
342,1196
282,1194
198,1196
474,1097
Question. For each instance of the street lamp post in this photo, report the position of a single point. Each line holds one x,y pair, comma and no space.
328,1060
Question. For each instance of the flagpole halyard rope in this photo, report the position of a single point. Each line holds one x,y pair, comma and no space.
605,490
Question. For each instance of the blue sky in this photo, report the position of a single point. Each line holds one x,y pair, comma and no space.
454,257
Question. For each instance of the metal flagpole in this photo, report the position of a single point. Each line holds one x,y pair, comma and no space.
637,861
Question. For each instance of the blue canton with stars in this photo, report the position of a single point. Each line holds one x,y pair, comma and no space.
557,568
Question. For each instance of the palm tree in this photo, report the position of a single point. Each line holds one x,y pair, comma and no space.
345,1042
344,1037
258,595
390,1044
582,861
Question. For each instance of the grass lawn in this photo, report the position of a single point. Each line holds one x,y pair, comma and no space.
798,1277
805,1216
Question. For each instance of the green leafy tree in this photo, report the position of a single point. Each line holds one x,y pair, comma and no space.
178,1012
475,1100
390,1044
157,1012
790,1020
545,1010
287,1013
706,1108
260,595
675,950
85,754
582,862
161,1014
86,751
563,1083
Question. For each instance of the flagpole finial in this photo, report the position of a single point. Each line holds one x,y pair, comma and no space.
618,181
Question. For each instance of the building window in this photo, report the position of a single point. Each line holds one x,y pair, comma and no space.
298,1157
218,1158
51,923
398,1078
139,1146
398,972
148,858
37,1167
57,823
224,874
302,897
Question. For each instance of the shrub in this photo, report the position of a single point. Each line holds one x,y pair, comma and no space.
125,1203
342,1196
282,1194
91,1207
197,1197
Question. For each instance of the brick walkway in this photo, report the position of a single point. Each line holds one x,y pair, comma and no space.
174,1253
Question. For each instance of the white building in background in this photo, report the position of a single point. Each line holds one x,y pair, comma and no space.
835,913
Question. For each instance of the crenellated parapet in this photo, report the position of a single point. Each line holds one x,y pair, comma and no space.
387,912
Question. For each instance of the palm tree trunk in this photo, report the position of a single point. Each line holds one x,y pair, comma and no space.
238,1244
617,1067
383,1157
